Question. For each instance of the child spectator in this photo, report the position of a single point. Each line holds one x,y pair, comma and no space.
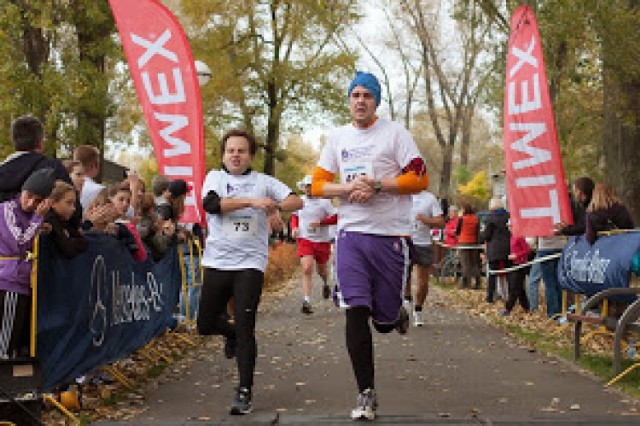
76,173
20,220
100,213
120,196
67,238
519,255
496,237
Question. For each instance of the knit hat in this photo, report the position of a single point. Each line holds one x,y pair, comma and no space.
40,182
369,82
178,188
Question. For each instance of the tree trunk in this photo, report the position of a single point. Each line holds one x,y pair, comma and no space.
621,141
447,169
273,130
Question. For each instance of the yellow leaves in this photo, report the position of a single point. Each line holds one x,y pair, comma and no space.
476,187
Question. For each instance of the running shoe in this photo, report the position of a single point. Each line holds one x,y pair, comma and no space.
306,308
230,346
326,291
418,321
402,323
241,402
366,405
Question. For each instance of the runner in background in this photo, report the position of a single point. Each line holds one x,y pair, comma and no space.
310,226
425,215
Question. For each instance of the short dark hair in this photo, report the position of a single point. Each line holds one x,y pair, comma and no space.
26,133
253,146
586,185
159,184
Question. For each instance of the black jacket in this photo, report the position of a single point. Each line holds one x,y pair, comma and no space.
497,236
15,171
68,240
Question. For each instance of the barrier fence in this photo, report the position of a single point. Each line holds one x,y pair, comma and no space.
101,306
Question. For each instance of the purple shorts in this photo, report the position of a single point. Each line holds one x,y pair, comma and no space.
371,271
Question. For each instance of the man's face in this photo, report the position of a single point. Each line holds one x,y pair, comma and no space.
29,202
237,157
307,190
362,105
578,195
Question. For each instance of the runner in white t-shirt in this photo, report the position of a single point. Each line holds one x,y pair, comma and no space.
426,213
240,203
311,227
380,167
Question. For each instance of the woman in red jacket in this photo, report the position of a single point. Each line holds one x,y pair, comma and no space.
467,233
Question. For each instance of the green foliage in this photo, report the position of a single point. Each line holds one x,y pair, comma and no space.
462,175
273,63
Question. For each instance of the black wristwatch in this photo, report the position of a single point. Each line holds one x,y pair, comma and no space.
377,186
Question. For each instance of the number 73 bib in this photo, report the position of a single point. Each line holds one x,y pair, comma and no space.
239,225
350,171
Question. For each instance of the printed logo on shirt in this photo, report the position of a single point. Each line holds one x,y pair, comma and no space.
242,188
356,153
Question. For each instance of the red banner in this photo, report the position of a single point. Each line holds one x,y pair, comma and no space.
165,79
536,189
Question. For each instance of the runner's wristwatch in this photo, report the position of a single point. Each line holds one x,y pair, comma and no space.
377,186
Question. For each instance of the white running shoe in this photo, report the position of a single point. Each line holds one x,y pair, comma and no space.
418,321
366,406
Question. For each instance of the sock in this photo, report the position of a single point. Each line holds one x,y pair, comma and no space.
417,308
307,299
408,299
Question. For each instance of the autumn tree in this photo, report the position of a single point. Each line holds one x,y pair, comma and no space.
273,63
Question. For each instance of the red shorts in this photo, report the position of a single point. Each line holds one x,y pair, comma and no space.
319,251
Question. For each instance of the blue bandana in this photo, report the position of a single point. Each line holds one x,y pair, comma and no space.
369,82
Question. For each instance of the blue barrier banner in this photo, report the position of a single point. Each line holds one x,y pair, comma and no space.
588,269
100,306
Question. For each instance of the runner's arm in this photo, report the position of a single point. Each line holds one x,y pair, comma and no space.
291,203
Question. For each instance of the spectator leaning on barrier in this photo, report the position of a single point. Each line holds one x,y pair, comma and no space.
582,190
20,220
605,213
27,136
239,203
496,237
467,235
120,196
66,236
89,157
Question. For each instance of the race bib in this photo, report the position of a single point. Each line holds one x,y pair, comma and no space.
350,171
239,225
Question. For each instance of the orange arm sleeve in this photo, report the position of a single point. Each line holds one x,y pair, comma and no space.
411,183
320,177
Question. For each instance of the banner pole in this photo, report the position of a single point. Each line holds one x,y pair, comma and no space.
34,296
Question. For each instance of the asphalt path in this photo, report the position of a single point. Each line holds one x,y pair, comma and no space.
456,369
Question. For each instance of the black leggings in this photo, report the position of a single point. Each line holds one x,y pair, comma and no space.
245,286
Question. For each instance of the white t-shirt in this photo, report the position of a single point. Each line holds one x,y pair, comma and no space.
90,190
240,239
380,151
314,210
424,203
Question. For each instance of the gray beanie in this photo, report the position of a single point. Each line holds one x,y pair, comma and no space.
40,182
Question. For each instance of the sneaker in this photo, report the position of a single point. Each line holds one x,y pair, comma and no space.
242,402
402,323
306,308
230,346
326,291
365,406
505,313
418,321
